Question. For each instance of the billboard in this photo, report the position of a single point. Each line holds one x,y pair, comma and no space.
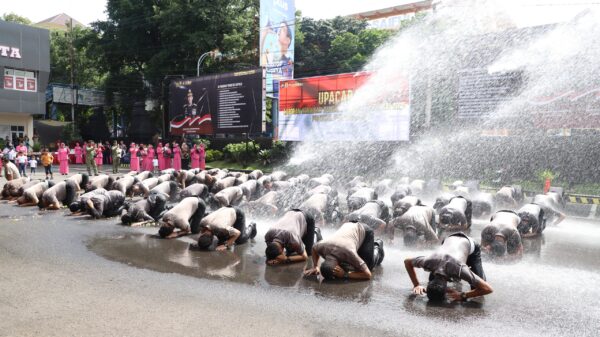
314,108
220,103
480,93
277,26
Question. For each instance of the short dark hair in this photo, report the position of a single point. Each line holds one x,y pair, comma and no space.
410,237
221,235
126,219
327,269
436,288
272,251
204,241
498,248
165,231
446,218
75,206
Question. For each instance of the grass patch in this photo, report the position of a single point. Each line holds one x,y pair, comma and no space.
222,164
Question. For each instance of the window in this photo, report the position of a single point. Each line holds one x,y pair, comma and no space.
17,132
23,80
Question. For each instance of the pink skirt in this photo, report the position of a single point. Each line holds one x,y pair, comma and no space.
135,164
64,167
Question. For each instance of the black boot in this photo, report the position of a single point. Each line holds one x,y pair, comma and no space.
318,235
379,247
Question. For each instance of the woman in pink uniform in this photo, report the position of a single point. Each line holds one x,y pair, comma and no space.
176,157
78,154
134,163
202,157
195,156
159,155
143,157
150,156
167,156
99,155
63,159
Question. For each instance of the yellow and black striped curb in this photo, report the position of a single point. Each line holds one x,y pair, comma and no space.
582,199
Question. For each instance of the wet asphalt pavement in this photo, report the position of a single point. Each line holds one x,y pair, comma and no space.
63,275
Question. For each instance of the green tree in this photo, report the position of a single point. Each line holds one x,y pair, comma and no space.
336,45
86,64
142,41
12,17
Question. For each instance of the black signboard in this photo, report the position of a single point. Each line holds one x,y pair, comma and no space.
480,93
221,103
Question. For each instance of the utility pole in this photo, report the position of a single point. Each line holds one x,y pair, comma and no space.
72,56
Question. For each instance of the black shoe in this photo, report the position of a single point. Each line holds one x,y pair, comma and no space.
253,232
318,234
379,244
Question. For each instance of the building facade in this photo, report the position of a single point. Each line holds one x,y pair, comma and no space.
391,18
24,73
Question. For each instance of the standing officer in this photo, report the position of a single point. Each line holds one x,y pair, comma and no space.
116,156
90,158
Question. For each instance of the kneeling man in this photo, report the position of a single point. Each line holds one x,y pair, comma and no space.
458,258
350,253
294,232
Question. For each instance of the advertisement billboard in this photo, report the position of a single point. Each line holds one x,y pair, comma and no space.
220,103
277,24
317,108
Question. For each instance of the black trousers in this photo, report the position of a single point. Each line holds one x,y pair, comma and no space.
240,225
309,237
469,212
197,217
370,251
474,262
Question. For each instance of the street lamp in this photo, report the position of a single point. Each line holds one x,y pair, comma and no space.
213,53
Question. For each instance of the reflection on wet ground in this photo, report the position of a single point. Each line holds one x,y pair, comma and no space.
552,291
569,250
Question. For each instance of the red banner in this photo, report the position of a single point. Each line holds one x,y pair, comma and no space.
314,108
575,109
321,92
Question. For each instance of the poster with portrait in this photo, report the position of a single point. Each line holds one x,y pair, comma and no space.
277,27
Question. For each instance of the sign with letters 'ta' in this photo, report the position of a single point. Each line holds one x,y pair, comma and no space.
10,52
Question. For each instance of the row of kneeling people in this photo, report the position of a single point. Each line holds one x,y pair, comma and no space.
315,196
352,252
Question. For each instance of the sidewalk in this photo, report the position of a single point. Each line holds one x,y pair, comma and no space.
73,169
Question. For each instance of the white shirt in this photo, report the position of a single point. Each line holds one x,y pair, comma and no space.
33,163
22,160
12,154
